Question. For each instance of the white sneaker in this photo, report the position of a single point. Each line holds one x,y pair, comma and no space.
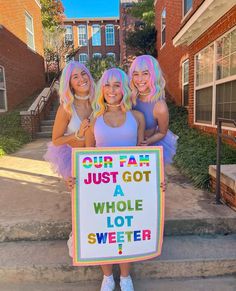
126,284
108,283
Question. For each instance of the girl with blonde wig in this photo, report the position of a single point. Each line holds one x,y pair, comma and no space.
115,124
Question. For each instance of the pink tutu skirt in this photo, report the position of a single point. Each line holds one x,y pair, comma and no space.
60,159
169,143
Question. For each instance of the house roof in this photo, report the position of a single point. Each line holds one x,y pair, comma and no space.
204,17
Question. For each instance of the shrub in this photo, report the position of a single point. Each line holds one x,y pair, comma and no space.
12,135
196,150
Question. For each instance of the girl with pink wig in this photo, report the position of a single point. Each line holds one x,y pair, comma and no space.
115,124
148,96
76,93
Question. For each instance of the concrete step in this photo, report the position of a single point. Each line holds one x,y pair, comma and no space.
56,229
182,257
46,128
47,122
195,284
44,134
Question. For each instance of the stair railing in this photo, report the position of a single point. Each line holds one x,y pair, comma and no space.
218,152
30,119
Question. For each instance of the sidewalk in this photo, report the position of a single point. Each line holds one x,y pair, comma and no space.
37,194
35,221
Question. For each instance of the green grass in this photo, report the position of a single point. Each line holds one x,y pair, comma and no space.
196,150
12,135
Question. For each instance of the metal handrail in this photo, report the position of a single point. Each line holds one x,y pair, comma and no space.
218,153
44,99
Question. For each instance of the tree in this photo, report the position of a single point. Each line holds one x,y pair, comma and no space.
55,47
144,10
142,40
97,66
52,14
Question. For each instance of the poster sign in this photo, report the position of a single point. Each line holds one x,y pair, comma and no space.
117,205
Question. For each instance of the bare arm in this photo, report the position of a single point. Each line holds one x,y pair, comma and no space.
161,114
141,125
60,125
89,136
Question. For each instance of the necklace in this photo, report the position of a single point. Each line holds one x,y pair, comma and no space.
81,97
144,94
113,106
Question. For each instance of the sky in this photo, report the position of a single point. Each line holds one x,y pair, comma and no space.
91,8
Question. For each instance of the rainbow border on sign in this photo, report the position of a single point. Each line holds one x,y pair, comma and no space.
74,200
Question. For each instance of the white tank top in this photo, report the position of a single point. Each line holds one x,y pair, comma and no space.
74,123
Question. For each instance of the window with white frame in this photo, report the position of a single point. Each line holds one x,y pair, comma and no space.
69,35
216,80
226,76
96,35
97,55
29,30
111,55
163,27
110,34
83,58
3,102
187,5
185,87
82,34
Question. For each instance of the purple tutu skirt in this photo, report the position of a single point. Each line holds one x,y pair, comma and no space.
60,159
169,143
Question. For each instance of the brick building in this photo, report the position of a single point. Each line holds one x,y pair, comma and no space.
21,51
93,37
127,24
196,46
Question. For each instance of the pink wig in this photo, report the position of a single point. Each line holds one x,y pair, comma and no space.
157,82
65,93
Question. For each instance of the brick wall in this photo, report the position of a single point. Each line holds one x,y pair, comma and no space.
227,194
24,68
169,57
127,24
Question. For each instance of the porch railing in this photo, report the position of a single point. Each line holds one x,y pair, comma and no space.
220,135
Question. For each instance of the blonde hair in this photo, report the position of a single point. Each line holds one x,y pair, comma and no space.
99,104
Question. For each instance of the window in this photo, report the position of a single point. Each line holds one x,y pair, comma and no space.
216,80
96,35
83,58
185,74
187,6
69,35
82,35
29,30
3,103
163,27
97,56
112,55
110,34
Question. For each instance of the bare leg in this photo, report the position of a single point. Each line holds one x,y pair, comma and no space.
125,269
107,270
